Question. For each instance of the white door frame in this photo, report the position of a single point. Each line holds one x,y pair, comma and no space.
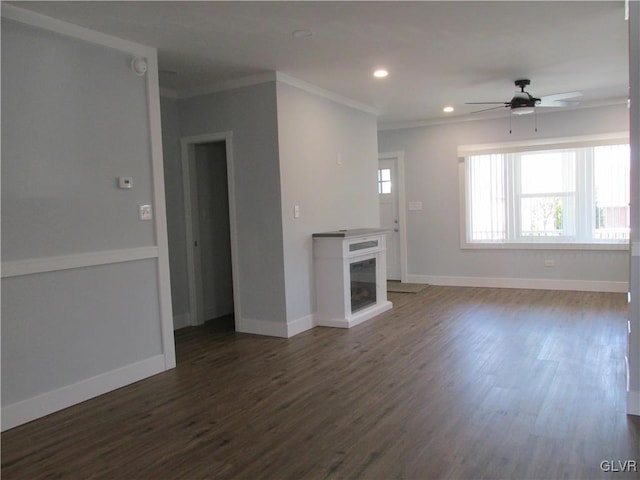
398,157
187,145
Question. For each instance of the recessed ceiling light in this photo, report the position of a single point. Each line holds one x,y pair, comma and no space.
302,33
380,73
448,109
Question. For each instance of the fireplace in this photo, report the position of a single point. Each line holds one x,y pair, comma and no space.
350,276
363,284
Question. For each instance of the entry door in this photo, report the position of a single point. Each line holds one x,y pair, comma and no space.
389,213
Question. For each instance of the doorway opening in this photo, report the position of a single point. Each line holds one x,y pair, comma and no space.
207,169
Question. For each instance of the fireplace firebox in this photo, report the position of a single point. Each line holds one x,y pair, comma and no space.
362,276
350,275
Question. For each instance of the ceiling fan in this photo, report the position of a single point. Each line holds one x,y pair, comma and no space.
523,102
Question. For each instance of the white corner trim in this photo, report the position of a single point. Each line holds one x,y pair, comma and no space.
262,327
35,407
32,266
71,30
633,402
528,283
160,215
310,88
300,325
232,84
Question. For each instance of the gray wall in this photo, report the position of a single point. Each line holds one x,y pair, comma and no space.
431,170
73,121
312,131
285,145
251,114
74,118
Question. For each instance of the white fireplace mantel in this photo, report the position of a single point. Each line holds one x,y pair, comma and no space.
350,275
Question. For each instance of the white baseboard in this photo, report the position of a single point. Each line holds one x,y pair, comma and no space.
633,402
35,407
529,283
356,319
262,327
276,329
300,325
181,321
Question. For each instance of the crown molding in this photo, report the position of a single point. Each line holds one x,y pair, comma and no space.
310,88
268,77
224,85
34,19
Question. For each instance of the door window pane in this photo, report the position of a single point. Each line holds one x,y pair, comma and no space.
384,180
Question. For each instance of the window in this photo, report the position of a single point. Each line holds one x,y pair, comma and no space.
384,180
552,195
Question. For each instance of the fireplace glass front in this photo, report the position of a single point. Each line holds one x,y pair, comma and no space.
363,284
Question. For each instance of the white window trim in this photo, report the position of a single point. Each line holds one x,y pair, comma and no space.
611,138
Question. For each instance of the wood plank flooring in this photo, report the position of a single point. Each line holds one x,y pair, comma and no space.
452,383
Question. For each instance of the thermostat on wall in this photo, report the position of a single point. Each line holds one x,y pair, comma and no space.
125,182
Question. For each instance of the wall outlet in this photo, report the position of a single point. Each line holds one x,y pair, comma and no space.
125,182
144,212
549,263
296,211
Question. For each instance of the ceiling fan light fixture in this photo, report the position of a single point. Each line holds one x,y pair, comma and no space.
522,110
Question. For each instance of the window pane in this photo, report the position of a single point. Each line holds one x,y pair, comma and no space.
486,198
547,172
611,184
384,180
577,195
543,217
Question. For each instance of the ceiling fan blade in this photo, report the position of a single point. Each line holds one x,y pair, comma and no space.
558,103
488,103
492,108
552,100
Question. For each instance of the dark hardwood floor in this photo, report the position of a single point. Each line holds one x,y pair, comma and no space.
452,383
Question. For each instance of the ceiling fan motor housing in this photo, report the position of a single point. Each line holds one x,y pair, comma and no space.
526,100
523,99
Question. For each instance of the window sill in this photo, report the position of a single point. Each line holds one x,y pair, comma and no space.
546,246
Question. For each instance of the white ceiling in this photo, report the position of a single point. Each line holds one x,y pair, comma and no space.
437,53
